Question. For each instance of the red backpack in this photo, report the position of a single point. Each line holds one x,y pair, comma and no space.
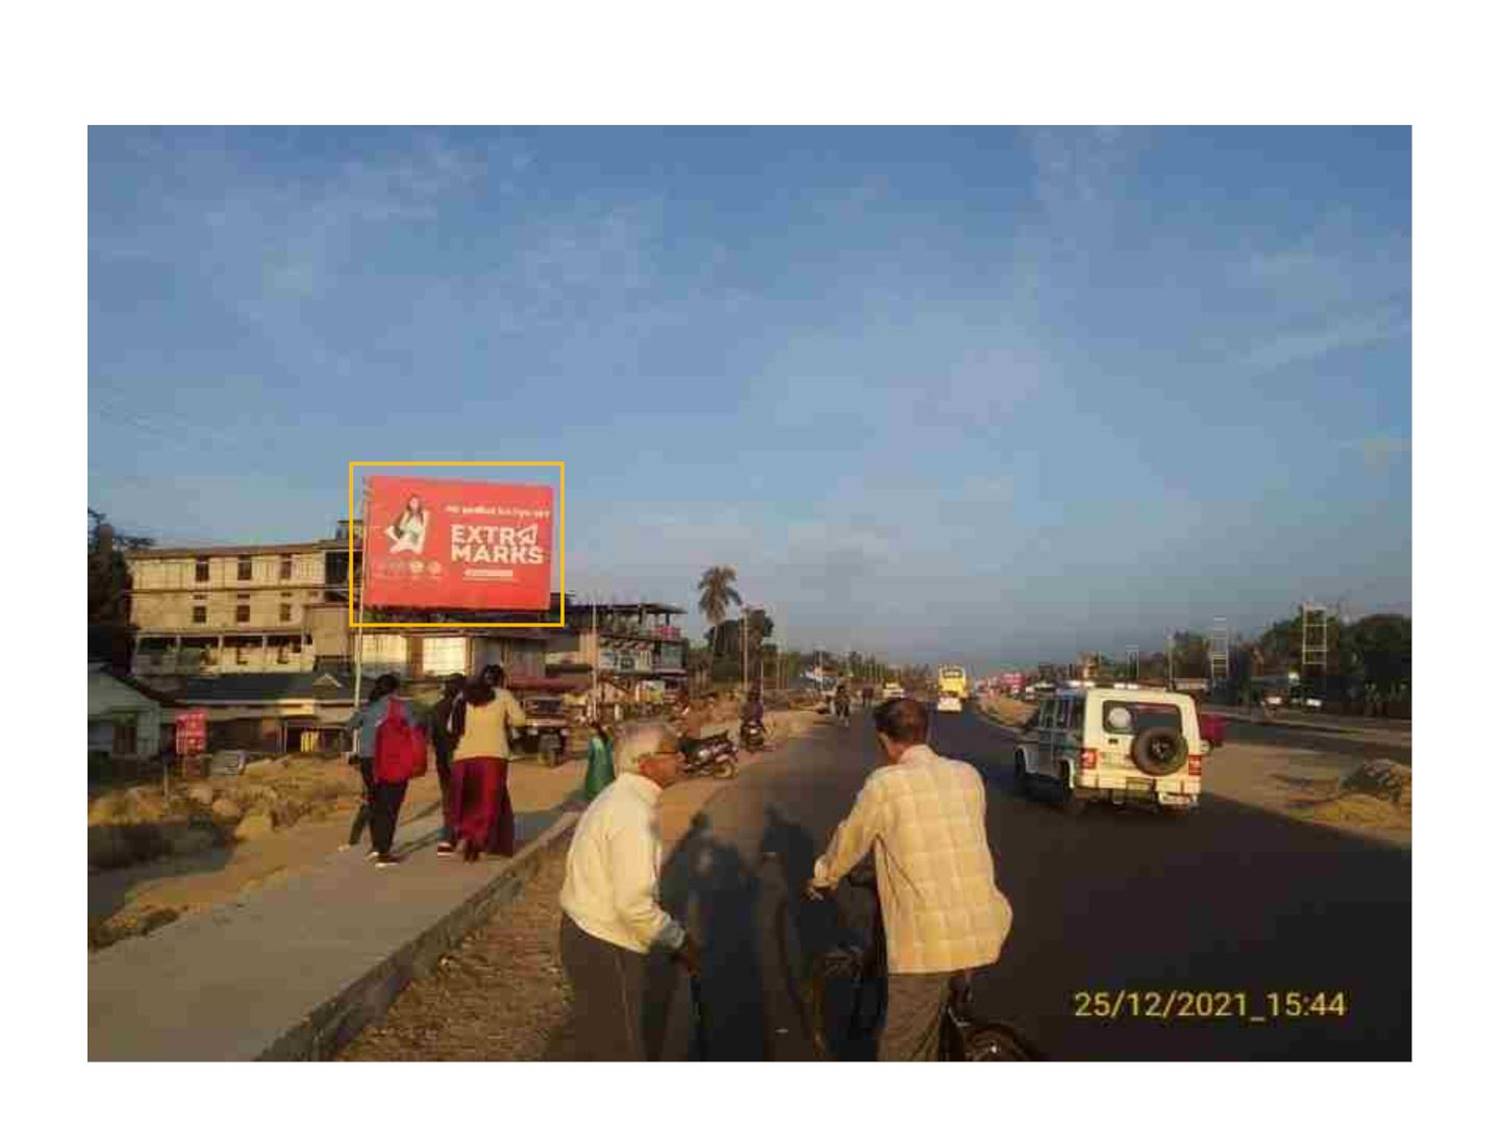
400,747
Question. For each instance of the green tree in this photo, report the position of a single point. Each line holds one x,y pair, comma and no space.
1190,655
111,637
1380,649
716,593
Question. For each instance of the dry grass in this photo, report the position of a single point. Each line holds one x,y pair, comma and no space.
501,994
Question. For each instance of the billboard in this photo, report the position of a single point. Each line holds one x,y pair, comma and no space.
452,544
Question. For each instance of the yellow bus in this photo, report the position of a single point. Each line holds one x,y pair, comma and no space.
953,679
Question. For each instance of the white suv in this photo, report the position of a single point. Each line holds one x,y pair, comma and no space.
1114,744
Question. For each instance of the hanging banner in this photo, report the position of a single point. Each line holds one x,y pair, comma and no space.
450,544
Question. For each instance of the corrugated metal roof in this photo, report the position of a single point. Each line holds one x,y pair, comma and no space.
264,687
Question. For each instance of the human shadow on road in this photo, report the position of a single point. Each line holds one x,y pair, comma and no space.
713,891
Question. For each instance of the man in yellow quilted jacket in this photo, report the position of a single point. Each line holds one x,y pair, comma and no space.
923,815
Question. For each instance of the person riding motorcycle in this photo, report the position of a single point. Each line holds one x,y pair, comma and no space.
841,700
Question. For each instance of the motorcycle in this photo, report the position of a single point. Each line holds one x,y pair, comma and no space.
714,756
753,736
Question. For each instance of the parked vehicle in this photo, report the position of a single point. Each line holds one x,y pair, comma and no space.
547,728
1115,745
711,756
753,736
892,691
950,701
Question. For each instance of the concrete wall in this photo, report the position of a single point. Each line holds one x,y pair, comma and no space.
179,572
173,610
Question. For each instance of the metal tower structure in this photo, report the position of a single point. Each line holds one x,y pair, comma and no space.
1314,642
1218,652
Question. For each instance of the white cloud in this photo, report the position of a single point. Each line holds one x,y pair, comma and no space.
1299,345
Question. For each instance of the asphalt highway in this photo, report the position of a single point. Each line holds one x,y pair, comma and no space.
1230,907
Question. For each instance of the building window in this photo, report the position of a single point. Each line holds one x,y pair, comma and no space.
286,568
286,611
200,570
242,614
200,615
242,654
244,568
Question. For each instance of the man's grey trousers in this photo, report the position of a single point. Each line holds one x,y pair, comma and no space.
609,987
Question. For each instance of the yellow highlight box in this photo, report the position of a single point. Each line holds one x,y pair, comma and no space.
562,546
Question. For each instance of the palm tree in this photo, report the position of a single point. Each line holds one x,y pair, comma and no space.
716,593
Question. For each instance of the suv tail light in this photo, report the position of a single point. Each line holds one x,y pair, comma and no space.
1195,765
1088,760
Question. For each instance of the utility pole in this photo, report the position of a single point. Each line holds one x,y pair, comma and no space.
1171,673
594,663
745,651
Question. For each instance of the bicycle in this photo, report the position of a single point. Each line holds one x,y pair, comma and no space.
963,1036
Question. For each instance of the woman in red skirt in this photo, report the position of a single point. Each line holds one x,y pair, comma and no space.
479,798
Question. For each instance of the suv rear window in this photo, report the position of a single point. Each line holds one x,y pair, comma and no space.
1130,716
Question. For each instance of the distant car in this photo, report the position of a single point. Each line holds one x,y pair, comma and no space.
892,691
1120,746
949,701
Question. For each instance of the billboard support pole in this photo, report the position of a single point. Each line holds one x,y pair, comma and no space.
364,565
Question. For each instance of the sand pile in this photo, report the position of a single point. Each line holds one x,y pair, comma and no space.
1012,712
1377,794
141,823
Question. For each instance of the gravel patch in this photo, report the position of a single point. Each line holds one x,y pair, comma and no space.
500,995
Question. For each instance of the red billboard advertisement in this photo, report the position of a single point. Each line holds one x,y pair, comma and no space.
192,732
454,544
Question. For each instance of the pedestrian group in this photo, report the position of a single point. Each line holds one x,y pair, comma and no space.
921,814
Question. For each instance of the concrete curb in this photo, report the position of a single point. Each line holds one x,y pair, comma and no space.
334,1023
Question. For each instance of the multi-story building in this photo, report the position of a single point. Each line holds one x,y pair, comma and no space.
203,610
259,636
634,646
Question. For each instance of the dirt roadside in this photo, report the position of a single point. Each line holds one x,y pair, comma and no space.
132,900
1346,792
501,994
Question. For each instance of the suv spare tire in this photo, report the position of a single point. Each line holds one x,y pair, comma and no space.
1158,751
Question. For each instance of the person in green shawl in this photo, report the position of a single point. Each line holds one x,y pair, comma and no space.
601,769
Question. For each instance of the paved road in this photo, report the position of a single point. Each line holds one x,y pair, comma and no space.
1229,898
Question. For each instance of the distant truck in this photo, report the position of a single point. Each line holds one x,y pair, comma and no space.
953,680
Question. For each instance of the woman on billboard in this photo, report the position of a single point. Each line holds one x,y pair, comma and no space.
409,530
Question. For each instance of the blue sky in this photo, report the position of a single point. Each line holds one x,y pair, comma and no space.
994,395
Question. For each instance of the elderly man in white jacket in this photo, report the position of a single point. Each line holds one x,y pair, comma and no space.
924,816
611,914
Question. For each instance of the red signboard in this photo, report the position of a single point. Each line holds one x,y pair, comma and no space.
192,732
452,544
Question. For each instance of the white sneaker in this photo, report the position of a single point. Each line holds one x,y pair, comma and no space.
372,854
